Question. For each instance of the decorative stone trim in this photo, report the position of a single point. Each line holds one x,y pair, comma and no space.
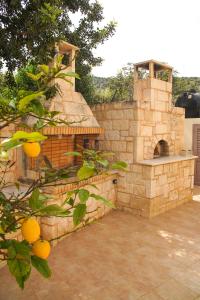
72,130
68,185
69,130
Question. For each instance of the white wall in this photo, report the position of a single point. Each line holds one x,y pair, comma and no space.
188,124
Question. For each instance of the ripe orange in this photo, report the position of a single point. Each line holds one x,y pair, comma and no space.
32,149
30,230
41,248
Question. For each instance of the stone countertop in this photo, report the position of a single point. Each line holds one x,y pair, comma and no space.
166,160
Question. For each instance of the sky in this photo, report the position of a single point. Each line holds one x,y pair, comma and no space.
164,30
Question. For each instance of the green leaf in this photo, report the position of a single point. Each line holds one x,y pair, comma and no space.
27,99
37,108
69,201
79,213
119,165
10,144
5,244
19,261
34,77
20,269
2,197
54,210
21,136
85,172
44,68
22,279
103,200
41,265
83,195
36,201
73,153
30,137
103,162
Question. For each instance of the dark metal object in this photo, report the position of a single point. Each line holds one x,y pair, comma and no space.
191,102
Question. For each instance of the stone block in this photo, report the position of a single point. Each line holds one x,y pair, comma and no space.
160,106
162,96
130,147
118,146
161,128
128,114
158,170
133,128
112,135
139,190
158,84
150,188
146,131
123,198
162,179
127,157
149,116
173,195
120,124
146,95
124,133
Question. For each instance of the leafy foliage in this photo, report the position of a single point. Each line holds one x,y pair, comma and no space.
120,87
29,30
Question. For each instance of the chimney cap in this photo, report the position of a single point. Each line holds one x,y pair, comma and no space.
65,47
157,65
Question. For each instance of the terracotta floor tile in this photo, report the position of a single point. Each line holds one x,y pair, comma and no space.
151,296
173,290
122,257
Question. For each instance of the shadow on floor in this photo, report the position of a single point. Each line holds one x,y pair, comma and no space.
122,257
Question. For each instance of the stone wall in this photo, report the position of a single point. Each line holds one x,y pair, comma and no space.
158,119
53,227
132,130
188,132
120,121
158,188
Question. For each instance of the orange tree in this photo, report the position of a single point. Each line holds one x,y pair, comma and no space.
19,210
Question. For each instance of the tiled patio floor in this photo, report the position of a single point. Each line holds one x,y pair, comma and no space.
122,257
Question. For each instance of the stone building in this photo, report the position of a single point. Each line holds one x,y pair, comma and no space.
148,133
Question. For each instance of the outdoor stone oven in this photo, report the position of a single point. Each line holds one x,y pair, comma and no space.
61,139
81,133
148,133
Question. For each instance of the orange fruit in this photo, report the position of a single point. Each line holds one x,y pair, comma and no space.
32,149
30,230
41,248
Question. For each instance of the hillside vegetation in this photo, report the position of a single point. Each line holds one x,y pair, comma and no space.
120,87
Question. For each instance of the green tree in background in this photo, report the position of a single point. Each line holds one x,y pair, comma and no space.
30,28
120,87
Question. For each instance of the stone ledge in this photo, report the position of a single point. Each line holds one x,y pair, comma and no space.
166,160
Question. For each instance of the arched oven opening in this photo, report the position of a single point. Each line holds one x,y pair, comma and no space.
161,149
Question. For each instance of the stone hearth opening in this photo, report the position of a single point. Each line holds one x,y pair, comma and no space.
161,149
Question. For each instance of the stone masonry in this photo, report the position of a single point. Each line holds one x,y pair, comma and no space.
132,131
